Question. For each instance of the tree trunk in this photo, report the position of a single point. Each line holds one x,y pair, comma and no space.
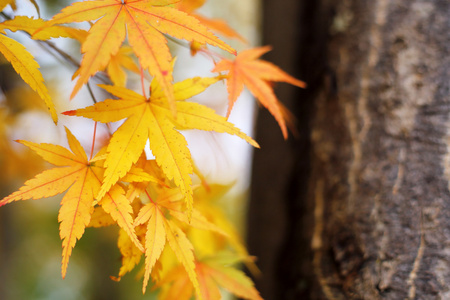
359,206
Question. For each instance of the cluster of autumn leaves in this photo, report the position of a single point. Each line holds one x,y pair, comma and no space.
188,243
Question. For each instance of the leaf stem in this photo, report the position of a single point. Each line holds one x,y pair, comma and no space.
93,140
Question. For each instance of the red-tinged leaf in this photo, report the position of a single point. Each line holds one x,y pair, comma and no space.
255,74
266,96
70,113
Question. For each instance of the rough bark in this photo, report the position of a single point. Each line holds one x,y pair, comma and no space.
368,201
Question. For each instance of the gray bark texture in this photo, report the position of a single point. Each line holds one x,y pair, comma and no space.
358,205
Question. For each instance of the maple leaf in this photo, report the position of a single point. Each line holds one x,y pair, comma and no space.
152,119
82,179
256,74
145,21
25,65
212,273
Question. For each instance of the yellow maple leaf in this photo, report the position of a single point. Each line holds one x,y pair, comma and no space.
162,217
152,119
256,74
159,230
82,179
30,25
145,21
25,65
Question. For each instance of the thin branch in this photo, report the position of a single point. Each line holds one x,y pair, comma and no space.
93,140
91,92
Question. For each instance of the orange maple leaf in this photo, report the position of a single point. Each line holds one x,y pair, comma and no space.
82,179
145,21
256,74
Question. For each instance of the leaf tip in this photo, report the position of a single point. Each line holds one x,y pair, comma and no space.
70,112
